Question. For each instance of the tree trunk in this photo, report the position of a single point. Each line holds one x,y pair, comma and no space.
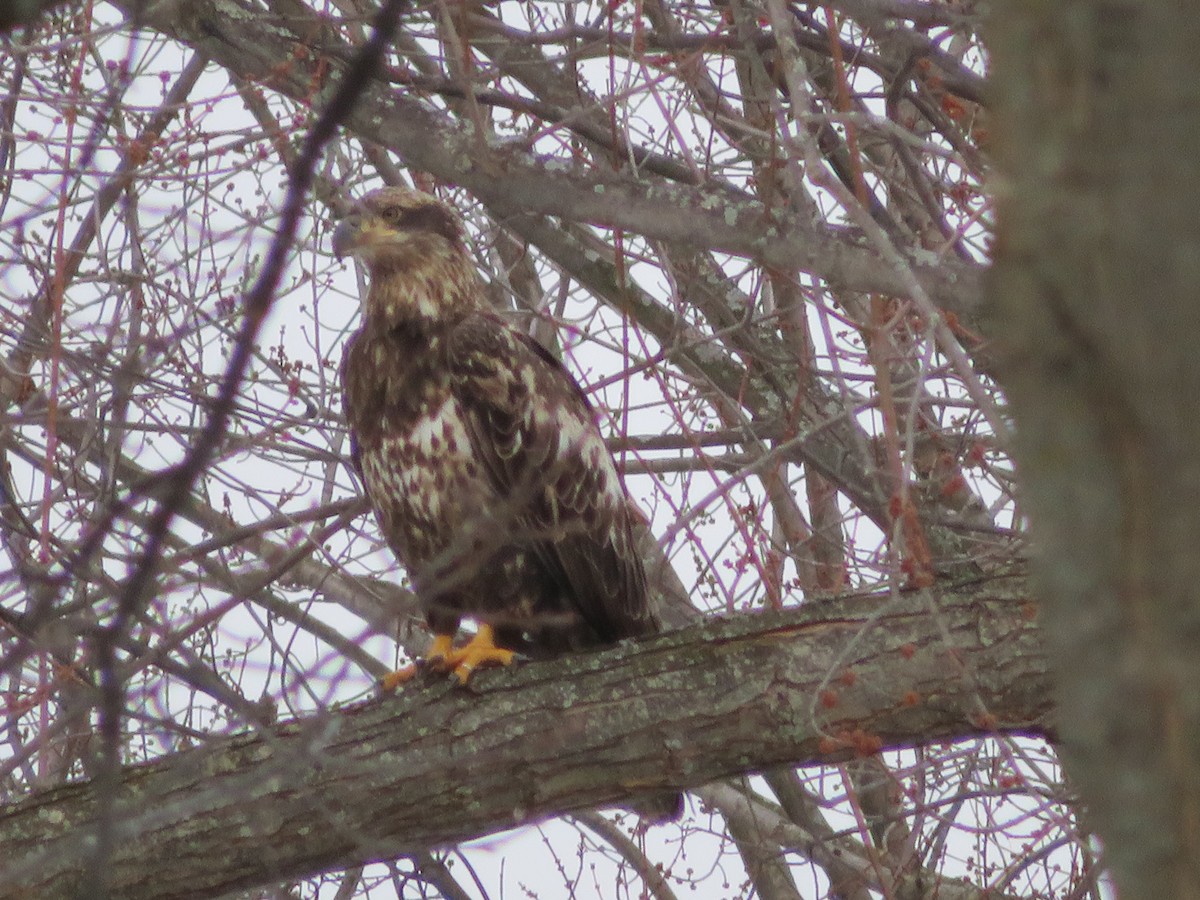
1095,293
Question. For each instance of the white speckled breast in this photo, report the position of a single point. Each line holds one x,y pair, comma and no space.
425,483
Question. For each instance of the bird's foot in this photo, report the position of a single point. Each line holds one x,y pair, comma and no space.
441,648
393,680
443,656
480,651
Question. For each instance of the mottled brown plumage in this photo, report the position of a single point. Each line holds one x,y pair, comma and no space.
481,458
479,453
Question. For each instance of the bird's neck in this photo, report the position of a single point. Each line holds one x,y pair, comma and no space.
422,295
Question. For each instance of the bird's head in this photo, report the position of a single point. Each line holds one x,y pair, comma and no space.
392,222
412,246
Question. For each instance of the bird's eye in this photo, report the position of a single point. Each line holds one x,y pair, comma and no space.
392,214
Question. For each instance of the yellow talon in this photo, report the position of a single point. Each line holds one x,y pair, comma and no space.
441,648
481,650
393,680
442,656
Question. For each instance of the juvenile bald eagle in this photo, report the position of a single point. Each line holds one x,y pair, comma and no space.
480,455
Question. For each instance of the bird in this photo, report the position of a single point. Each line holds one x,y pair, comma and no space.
479,453
482,459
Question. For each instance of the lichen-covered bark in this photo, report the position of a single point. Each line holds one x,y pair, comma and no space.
437,765
1096,295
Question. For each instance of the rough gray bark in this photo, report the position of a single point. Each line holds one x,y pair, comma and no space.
1095,290
437,765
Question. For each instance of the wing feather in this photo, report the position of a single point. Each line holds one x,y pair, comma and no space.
533,430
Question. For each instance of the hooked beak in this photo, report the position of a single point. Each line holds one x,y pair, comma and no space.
347,236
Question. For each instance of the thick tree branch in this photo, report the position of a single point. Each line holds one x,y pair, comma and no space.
438,765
